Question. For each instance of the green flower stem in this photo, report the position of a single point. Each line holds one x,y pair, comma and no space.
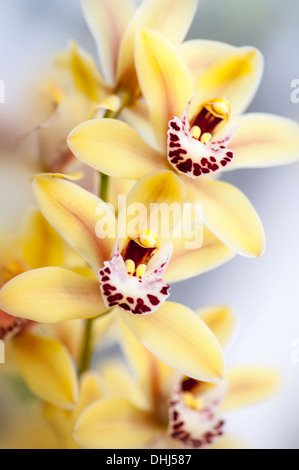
103,193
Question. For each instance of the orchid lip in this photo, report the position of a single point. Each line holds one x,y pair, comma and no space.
191,149
132,279
193,412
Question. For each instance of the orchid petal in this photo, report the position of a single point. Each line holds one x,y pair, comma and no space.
178,337
42,246
114,423
220,320
200,54
230,216
47,369
50,295
107,21
235,77
73,212
264,140
186,263
172,18
249,385
94,143
165,80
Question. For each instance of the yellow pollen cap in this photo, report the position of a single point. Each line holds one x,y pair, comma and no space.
148,239
191,401
221,106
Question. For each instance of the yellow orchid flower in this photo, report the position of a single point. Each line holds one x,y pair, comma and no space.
45,363
177,411
195,93
172,332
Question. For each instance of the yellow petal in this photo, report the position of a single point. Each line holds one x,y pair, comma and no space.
264,140
50,295
200,54
85,74
73,212
164,79
220,320
107,21
177,336
90,391
155,377
47,369
248,385
157,190
172,18
230,216
70,333
118,382
186,263
113,148
235,77
114,423
138,117
42,246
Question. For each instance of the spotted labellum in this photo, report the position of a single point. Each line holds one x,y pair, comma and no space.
132,279
191,149
193,415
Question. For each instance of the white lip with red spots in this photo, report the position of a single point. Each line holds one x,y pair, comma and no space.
196,428
190,156
137,295
11,326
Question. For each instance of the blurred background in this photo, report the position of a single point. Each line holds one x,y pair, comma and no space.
264,293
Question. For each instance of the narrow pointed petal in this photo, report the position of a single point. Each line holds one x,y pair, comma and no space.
186,263
107,21
164,78
42,246
172,18
50,295
220,320
201,54
230,216
235,77
177,336
249,385
264,140
48,370
90,391
119,382
114,148
73,213
114,423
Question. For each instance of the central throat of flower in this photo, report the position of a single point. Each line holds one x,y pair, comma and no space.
210,117
132,279
138,251
193,416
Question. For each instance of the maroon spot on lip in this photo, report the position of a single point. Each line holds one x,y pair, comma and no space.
125,307
153,299
223,162
213,159
164,290
229,154
174,137
105,278
115,298
130,300
175,126
189,384
186,166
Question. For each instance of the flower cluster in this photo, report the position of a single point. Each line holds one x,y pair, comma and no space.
161,124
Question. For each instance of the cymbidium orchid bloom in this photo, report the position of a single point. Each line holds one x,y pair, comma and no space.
176,411
196,95
43,361
172,332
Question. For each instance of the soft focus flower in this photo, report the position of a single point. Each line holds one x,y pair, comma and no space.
220,81
175,411
173,332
